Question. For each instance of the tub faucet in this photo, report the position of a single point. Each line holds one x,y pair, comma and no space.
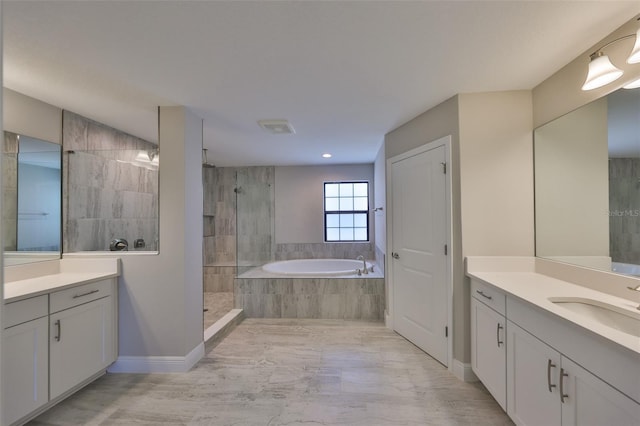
364,263
636,288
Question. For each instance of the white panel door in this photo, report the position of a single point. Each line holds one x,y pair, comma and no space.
419,227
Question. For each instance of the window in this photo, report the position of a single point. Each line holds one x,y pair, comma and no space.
346,211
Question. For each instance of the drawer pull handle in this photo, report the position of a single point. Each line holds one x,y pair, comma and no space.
481,293
85,294
550,365
500,327
562,394
58,331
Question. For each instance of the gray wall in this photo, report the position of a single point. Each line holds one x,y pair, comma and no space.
31,117
160,295
561,93
299,211
492,182
380,200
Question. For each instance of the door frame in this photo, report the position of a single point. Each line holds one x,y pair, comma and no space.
446,143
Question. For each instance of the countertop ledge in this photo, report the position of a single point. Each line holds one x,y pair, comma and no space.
536,289
47,277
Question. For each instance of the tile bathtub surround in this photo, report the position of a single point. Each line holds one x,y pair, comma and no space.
285,372
325,298
108,191
624,210
291,251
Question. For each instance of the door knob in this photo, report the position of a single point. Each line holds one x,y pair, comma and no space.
395,255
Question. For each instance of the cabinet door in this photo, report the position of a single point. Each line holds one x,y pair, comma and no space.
533,370
25,369
488,350
590,401
81,344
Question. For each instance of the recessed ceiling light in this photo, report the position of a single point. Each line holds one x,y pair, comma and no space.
327,155
277,127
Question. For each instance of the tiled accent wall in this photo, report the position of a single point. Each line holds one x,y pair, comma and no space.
10,191
326,298
290,251
108,192
624,210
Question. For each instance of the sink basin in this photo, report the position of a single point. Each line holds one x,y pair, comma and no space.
604,313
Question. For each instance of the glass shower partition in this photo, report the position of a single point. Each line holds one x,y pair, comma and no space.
255,218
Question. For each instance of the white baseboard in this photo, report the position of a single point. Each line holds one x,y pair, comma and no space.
464,372
158,364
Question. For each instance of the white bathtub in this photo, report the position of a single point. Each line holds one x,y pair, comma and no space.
316,267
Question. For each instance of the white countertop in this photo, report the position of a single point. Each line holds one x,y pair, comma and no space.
17,290
32,280
536,289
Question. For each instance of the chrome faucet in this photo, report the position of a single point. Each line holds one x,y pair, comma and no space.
364,263
636,288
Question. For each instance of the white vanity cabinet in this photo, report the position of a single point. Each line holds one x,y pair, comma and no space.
488,348
82,334
546,388
25,358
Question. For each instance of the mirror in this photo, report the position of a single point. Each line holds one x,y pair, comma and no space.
31,199
587,185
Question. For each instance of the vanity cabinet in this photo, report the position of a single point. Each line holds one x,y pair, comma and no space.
488,348
54,343
546,388
25,358
81,335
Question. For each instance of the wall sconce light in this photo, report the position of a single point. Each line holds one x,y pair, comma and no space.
602,72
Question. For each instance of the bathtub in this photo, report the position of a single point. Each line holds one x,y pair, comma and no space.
311,288
316,267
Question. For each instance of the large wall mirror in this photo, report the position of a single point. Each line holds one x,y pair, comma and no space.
32,203
587,185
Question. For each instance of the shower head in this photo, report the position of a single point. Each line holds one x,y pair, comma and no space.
205,161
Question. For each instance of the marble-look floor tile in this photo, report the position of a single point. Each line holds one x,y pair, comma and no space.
269,372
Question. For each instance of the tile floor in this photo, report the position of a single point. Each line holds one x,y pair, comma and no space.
217,305
290,372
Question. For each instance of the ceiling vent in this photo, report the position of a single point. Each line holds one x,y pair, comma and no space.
277,127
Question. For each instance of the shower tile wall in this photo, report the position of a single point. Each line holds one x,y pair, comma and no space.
107,191
238,230
324,251
9,191
219,229
624,210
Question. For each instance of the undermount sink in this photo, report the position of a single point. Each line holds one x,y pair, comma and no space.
604,313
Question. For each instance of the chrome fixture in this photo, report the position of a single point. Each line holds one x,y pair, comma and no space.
364,263
378,209
601,71
119,244
205,160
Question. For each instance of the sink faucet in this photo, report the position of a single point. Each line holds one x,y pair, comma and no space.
364,263
636,288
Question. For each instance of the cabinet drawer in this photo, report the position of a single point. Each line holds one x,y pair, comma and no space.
488,295
74,296
26,310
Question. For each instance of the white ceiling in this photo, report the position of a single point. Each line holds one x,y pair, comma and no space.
343,72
